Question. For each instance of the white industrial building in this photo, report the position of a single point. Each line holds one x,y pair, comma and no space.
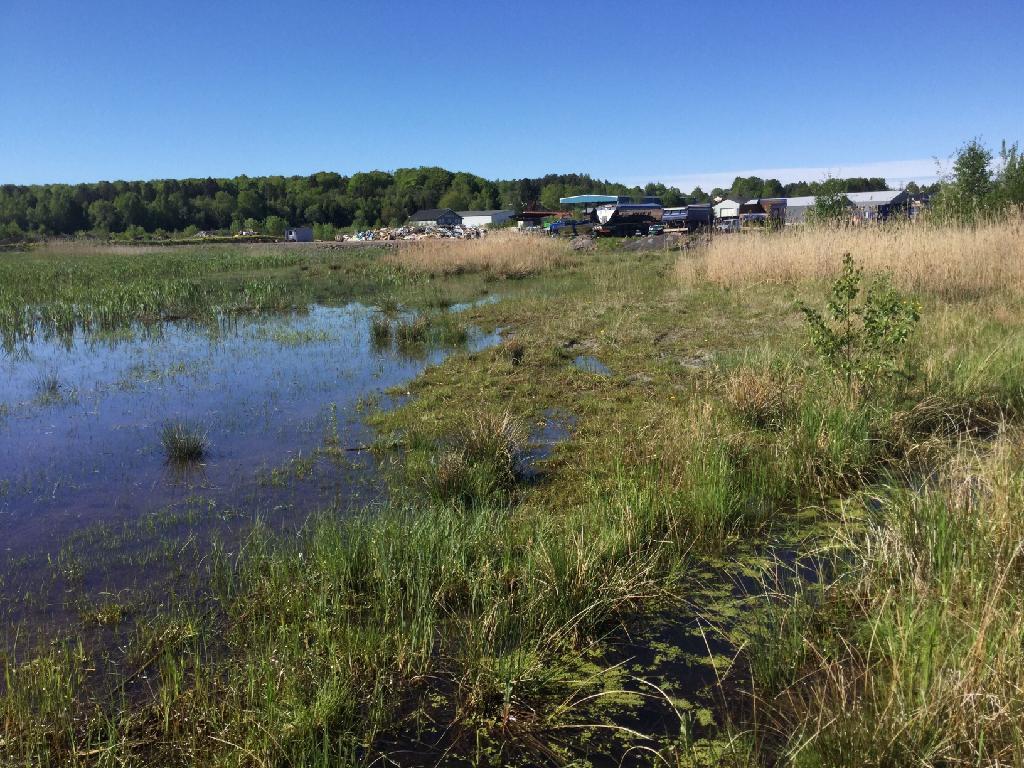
485,218
727,209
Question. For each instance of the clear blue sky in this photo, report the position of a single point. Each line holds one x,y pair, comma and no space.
631,91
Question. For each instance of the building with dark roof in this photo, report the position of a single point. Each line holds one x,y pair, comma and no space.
436,217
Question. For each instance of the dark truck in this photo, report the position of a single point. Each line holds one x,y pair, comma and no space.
691,218
626,218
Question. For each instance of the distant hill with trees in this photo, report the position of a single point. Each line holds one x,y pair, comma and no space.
328,200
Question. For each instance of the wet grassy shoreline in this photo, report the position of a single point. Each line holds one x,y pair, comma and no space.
634,599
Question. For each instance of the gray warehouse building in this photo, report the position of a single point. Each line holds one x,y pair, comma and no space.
436,217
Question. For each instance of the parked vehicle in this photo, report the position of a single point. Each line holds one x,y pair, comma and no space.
571,227
689,218
626,217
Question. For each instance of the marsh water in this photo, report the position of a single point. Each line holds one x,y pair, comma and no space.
81,417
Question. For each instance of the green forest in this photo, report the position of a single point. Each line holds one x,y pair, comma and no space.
330,201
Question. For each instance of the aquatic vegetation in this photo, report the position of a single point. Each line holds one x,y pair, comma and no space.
412,331
49,389
293,337
479,463
442,328
52,292
183,443
380,331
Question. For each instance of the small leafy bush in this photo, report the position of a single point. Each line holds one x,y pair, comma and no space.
862,333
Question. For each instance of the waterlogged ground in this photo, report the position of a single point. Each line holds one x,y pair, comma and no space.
83,470
665,562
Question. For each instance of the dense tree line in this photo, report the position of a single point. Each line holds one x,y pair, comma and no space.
270,203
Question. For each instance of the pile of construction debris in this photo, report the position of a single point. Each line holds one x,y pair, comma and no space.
583,243
414,233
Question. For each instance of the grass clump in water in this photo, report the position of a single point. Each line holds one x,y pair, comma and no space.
49,389
380,331
441,329
183,443
480,464
412,331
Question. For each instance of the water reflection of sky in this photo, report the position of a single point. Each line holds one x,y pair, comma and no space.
262,388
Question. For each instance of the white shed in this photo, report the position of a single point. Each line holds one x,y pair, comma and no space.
485,218
727,209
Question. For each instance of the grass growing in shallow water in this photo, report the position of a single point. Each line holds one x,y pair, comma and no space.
183,443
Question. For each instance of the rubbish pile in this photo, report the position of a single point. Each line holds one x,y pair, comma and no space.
583,243
413,233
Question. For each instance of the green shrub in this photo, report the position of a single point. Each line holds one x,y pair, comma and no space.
861,338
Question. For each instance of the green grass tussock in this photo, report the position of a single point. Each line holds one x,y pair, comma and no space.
478,463
183,443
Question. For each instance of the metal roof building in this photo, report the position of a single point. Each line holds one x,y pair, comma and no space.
436,217
878,206
884,197
797,207
485,218
866,206
588,199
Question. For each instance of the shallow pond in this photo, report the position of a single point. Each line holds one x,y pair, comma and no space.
591,364
80,423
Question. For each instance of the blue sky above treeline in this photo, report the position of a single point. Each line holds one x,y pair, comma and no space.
680,93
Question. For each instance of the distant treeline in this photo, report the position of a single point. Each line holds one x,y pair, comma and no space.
268,204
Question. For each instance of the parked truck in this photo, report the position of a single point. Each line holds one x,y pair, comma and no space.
626,218
690,218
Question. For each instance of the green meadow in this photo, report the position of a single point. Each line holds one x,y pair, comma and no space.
738,541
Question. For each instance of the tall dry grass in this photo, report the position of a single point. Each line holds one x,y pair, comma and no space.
943,259
507,254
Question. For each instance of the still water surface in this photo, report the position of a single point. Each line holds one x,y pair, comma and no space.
80,438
